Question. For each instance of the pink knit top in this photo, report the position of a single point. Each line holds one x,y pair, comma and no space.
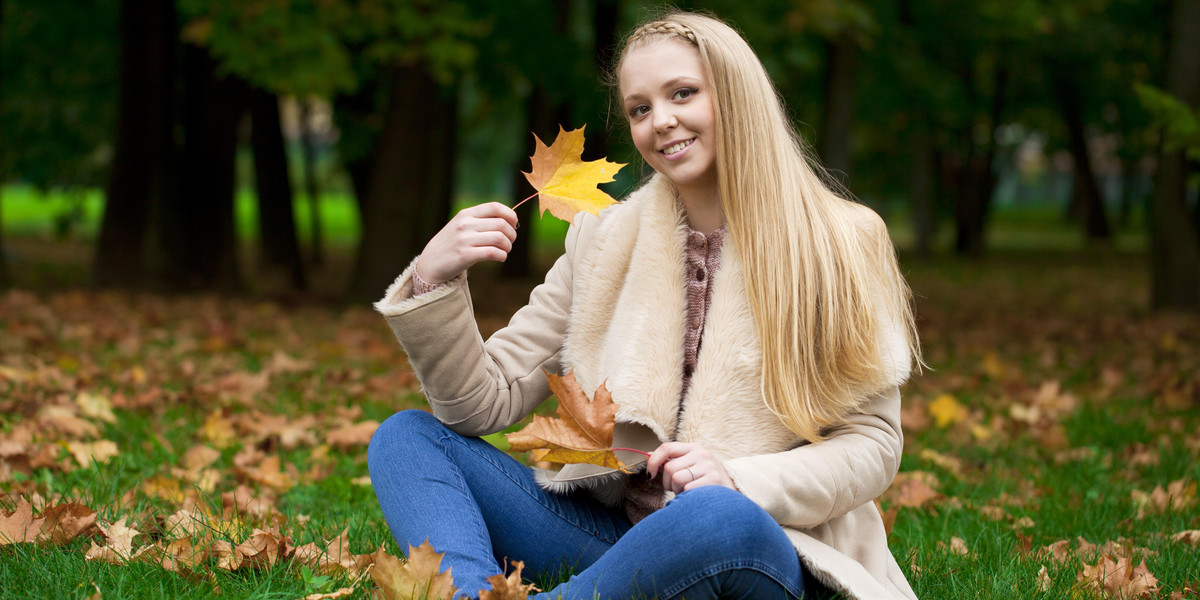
703,253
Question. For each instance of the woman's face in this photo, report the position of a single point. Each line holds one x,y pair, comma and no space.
669,105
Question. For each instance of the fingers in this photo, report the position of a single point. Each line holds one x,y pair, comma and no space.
475,234
685,466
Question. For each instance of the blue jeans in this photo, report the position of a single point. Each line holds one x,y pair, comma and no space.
482,508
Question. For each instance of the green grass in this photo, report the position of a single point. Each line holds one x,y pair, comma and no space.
994,331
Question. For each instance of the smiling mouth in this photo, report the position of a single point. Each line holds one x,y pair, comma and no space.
669,150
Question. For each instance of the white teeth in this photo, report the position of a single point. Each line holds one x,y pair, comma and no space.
678,147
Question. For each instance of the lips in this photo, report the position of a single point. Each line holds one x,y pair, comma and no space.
677,147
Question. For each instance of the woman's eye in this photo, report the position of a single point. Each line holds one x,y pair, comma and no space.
639,110
684,93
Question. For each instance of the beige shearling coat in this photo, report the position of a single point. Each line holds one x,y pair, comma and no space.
612,309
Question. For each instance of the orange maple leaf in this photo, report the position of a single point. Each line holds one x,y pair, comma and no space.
566,184
582,432
508,588
418,577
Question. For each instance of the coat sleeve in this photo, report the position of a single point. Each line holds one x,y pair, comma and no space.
809,485
476,387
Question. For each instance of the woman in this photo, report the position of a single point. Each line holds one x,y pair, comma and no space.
751,324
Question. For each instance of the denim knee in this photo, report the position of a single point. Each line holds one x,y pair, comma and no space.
723,518
404,428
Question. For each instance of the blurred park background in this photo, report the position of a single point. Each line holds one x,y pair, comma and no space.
293,147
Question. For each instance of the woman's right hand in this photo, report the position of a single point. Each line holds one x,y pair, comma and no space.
475,234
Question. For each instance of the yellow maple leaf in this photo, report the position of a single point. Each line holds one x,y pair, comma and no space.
947,411
581,433
418,577
566,184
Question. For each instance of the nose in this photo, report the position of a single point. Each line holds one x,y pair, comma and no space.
664,118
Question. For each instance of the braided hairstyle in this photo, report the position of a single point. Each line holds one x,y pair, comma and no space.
832,310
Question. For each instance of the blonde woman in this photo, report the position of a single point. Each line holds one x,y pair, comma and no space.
751,323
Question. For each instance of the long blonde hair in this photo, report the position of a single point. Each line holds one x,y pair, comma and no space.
822,279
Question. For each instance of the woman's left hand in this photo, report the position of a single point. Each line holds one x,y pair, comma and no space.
685,466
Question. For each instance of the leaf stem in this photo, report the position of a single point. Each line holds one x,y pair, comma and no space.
525,200
646,454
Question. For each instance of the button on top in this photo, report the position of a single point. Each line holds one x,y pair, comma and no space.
700,274
695,322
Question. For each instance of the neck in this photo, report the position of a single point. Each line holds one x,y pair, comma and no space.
702,205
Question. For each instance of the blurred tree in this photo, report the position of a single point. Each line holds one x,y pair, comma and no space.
276,48
141,177
1174,234
279,245
5,277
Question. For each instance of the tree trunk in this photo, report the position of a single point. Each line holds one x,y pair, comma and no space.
978,179
309,143
1174,239
405,188
838,110
1085,192
542,119
924,212
280,250
199,235
142,173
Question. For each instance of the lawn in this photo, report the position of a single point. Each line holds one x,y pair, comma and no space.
1056,428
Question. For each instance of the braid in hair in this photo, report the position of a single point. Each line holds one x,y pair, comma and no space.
663,28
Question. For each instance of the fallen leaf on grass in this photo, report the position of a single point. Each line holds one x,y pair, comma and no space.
87,453
335,557
339,593
1119,578
1190,537
913,489
582,432
65,522
353,436
1178,495
566,184
418,578
19,526
1043,580
118,544
508,588
947,411
957,546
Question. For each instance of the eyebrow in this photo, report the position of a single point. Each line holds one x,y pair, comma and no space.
673,82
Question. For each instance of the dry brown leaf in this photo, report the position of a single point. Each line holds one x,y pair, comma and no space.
1043,580
87,453
418,578
1178,495
338,593
913,489
118,544
1118,579
95,406
582,432
508,588
262,549
198,457
1190,537
19,526
566,184
957,546
246,501
953,464
334,558
65,522
353,436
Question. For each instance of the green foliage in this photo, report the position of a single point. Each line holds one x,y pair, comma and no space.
326,47
58,66
1180,124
